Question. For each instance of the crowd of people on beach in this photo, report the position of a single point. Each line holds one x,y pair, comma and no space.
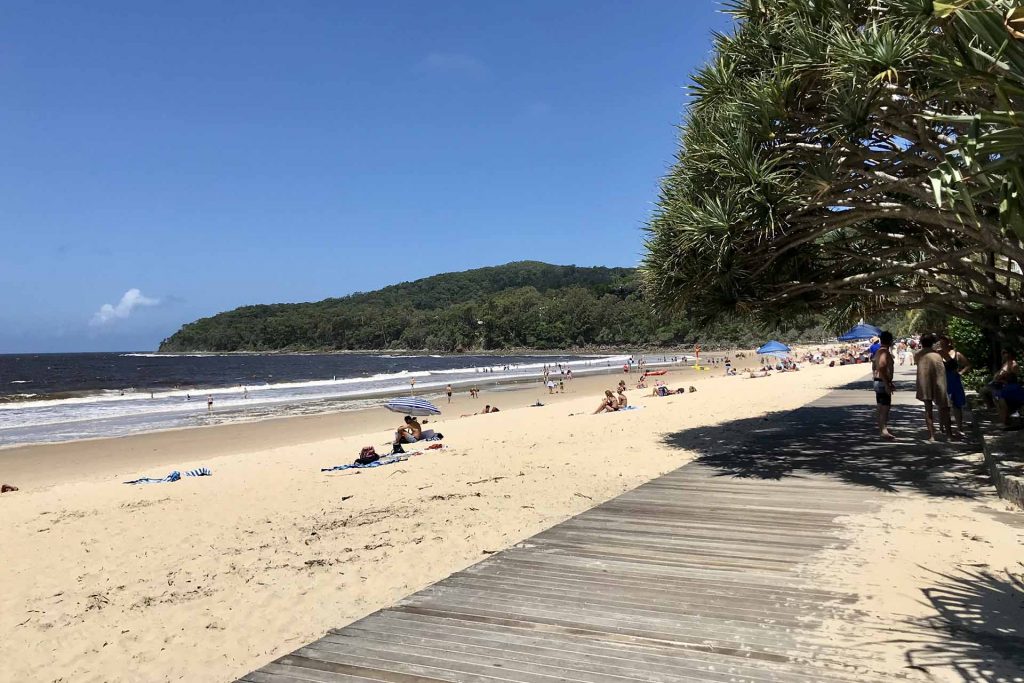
940,368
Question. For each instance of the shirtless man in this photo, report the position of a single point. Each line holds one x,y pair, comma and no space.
410,432
883,373
621,399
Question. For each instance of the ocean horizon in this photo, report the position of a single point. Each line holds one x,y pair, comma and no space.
55,397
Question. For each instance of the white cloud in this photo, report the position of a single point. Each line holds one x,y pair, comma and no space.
452,63
131,300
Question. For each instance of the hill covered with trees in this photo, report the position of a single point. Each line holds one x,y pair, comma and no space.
519,305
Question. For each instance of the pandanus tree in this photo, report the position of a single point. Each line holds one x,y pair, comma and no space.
849,157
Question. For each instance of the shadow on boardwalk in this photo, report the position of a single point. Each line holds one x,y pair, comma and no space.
977,629
837,435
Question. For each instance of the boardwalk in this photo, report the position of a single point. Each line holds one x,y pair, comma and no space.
691,577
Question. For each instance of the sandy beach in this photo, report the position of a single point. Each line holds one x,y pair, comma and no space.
205,579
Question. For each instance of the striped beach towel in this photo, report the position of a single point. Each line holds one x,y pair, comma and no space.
173,476
387,460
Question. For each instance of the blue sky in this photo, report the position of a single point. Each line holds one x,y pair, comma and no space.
214,154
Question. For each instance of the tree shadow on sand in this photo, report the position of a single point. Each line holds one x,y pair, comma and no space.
977,629
831,436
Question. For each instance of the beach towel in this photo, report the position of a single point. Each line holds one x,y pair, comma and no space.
173,476
386,460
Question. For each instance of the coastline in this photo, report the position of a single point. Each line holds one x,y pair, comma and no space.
48,464
132,576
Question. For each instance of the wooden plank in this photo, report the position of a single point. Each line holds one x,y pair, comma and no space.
690,577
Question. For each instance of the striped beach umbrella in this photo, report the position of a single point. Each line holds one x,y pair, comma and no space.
410,405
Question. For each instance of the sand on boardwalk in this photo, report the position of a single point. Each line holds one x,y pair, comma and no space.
939,585
205,579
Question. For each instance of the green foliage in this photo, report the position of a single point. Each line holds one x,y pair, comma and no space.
977,379
519,305
970,340
849,158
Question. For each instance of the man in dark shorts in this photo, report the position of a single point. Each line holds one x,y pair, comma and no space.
883,367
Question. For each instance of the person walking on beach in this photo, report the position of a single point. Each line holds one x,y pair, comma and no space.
448,390
931,385
883,368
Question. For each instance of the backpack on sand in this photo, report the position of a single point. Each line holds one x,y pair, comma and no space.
367,455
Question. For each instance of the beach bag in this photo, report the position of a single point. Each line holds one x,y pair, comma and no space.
397,448
367,455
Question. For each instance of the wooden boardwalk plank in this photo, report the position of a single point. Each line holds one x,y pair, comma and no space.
690,577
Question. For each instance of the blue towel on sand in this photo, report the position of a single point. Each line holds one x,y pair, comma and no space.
173,476
387,460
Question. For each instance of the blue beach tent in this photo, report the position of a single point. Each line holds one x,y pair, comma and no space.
860,332
773,348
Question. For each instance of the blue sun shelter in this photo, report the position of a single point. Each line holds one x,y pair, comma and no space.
860,332
773,348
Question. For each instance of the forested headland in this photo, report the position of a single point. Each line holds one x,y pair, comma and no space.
523,305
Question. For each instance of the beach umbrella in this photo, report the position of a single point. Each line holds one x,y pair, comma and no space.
859,332
773,348
410,405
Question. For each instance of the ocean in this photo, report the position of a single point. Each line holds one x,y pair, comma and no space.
48,398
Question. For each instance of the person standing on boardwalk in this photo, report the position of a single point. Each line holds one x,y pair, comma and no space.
883,367
956,365
931,384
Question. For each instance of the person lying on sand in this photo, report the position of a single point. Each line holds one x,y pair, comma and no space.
7,488
492,409
609,404
410,432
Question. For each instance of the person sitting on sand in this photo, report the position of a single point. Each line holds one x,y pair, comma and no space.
410,432
621,399
608,404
